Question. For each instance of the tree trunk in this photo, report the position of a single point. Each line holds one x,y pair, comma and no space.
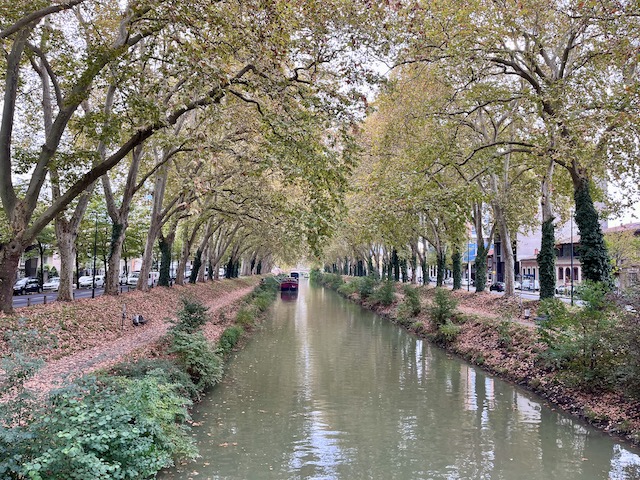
197,263
112,279
456,260
166,245
67,250
9,260
547,256
395,264
507,249
441,265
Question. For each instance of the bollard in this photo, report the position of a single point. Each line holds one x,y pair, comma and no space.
45,299
29,301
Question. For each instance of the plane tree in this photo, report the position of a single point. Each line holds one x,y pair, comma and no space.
574,64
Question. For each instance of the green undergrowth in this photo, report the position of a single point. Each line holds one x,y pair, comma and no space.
373,291
125,423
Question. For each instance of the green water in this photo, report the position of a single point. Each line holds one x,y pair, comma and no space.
327,390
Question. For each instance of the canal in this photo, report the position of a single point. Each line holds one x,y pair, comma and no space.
328,390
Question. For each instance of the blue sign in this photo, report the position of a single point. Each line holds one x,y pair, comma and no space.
470,252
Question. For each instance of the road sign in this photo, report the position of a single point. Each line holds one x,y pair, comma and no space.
470,252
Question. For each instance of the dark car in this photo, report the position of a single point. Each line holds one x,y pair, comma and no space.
497,286
25,285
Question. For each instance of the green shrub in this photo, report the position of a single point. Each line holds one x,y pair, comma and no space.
412,300
229,339
202,363
166,370
191,316
586,342
447,333
410,306
505,339
443,307
333,280
366,287
129,429
315,276
263,300
245,317
385,294
348,288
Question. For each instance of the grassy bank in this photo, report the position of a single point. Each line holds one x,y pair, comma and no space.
586,361
131,420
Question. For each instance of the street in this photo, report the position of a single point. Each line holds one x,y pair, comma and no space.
37,298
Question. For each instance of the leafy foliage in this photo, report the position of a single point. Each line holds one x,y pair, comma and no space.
443,307
547,261
229,339
584,342
447,333
197,357
191,316
385,294
596,265
410,306
126,429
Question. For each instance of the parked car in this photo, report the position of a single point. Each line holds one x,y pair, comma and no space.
448,281
517,285
497,287
26,285
87,281
122,279
132,279
53,284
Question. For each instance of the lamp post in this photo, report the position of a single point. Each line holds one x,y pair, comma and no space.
95,256
468,265
571,228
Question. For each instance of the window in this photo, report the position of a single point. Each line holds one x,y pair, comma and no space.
560,273
575,273
568,273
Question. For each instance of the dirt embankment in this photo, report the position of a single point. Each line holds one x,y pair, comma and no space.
90,334
495,336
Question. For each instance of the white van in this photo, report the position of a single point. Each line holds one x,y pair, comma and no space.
151,281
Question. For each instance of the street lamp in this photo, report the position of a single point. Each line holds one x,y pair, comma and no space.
468,265
571,228
95,256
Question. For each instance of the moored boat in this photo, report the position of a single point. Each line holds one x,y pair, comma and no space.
289,284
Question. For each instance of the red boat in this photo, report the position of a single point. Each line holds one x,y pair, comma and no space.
289,284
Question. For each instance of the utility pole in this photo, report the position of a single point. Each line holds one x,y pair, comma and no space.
95,256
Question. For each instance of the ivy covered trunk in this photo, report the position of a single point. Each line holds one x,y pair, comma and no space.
440,266
425,271
165,244
197,263
596,265
395,262
547,256
547,260
481,267
403,269
456,261
9,260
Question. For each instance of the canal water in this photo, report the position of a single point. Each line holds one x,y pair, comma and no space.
328,390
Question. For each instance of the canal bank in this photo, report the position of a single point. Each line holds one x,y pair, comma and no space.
326,389
121,420
511,349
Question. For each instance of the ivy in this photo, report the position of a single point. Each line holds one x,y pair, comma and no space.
546,261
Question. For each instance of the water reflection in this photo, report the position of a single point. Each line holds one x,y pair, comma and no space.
326,390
